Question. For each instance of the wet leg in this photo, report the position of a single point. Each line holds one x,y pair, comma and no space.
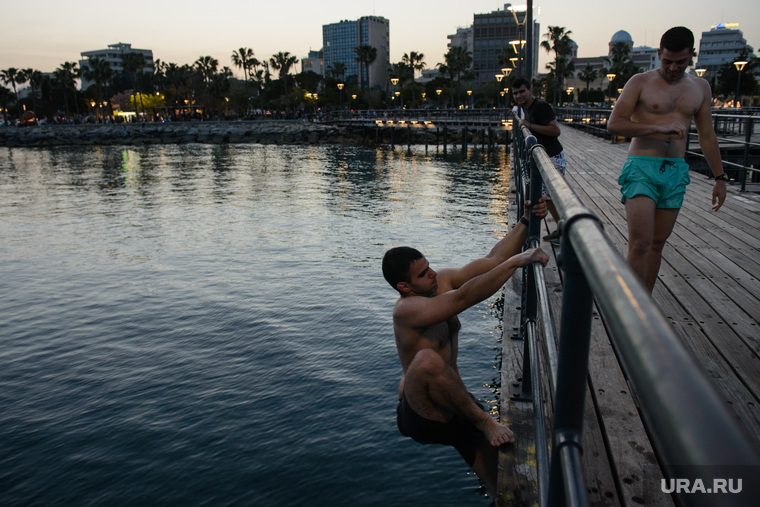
435,391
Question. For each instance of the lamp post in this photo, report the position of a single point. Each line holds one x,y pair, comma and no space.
499,77
570,92
611,77
394,82
438,92
520,21
469,96
739,67
340,90
700,72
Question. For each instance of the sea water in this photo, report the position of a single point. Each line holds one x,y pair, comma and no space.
209,325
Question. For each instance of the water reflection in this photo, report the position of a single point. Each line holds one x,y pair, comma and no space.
228,294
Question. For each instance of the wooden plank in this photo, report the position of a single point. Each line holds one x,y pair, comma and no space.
616,447
708,290
517,475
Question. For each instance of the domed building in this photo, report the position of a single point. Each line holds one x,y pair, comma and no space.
621,36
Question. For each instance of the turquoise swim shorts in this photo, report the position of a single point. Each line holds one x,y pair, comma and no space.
662,179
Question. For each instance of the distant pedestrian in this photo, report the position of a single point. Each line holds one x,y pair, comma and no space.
540,119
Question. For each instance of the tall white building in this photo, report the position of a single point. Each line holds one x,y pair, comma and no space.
113,55
721,45
339,43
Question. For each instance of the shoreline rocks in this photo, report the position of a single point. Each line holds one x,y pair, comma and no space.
235,132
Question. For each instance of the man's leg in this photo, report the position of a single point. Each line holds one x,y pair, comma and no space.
664,221
436,392
648,230
639,213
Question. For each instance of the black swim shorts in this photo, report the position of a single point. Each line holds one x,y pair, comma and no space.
459,433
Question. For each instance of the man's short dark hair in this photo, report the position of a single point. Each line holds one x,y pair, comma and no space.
396,264
677,39
519,82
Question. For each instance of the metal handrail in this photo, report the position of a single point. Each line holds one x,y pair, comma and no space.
685,417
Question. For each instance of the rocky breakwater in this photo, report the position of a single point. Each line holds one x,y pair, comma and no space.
262,132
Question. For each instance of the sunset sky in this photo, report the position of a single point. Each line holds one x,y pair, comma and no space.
45,33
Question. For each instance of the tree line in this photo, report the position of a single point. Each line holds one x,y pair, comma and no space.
207,89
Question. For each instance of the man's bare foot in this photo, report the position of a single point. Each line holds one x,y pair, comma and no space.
496,433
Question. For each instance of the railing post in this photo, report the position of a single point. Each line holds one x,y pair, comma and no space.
517,166
745,161
529,311
572,373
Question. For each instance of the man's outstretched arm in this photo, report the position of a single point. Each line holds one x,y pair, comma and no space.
425,311
509,245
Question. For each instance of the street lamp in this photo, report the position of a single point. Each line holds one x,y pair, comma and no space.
520,21
469,94
438,92
610,76
739,67
570,92
506,71
340,89
700,72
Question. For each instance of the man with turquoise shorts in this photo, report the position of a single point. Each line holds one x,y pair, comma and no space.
656,109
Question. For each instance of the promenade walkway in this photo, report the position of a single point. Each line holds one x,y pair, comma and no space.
708,289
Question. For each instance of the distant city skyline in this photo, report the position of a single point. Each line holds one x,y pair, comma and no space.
44,34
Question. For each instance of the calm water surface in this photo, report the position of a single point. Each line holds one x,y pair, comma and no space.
208,325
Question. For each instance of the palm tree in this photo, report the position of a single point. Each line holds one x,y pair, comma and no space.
337,70
219,86
6,97
282,62
559,69
133,64
620,63
559,41
415,61
65,76
242,59
458,59
365,55
10,76
207,67
588,74
34,78
176,79
99,72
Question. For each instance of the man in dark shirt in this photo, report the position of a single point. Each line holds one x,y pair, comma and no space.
542,122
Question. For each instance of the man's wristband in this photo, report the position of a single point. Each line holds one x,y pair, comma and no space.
721,177
524,221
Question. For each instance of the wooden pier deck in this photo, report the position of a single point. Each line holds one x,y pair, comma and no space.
708,289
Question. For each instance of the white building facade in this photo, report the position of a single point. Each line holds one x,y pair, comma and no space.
113,55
